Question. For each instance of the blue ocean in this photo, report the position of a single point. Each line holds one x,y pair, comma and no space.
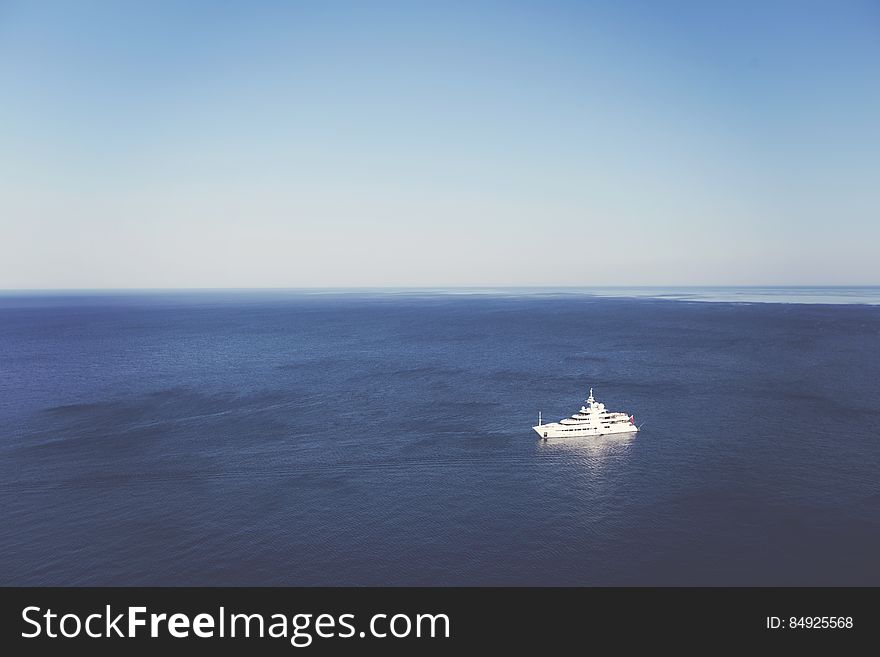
384,437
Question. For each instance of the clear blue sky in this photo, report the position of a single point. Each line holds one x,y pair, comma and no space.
238,144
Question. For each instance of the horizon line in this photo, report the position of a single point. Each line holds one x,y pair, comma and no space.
437,287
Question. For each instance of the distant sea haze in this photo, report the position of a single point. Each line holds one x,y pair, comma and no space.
370,437
829,294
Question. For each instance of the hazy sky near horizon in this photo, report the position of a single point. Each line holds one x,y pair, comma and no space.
306,144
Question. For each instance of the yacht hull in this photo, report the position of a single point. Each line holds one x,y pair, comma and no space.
556,430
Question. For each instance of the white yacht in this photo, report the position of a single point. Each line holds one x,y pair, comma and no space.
591,420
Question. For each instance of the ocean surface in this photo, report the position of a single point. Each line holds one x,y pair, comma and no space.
384,438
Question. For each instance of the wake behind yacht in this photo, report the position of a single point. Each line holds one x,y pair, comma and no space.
591,420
